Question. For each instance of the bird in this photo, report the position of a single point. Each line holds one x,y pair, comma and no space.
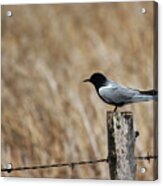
118,95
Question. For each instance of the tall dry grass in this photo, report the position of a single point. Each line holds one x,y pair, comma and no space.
48,114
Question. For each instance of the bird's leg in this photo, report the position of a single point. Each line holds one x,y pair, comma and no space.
115,109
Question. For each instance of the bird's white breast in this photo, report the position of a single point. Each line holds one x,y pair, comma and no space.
104,89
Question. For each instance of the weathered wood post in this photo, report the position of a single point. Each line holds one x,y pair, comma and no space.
121,143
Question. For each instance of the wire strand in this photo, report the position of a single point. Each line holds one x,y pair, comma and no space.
71,164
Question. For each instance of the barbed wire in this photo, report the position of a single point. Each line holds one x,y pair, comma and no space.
71,164
147,157
10,168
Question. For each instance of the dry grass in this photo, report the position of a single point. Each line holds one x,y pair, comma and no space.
48,114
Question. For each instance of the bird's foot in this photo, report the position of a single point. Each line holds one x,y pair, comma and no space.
115,109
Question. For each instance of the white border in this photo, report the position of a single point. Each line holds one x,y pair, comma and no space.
61,1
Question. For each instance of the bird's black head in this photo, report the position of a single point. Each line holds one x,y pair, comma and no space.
97,79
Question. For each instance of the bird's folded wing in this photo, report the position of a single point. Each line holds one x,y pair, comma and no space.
117,94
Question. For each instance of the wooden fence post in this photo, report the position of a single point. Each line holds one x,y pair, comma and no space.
121,143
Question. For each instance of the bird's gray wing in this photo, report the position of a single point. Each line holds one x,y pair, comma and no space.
117,94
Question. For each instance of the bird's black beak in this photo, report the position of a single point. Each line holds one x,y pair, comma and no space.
86,80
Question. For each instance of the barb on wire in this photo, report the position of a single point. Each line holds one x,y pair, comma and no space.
147,157
11,168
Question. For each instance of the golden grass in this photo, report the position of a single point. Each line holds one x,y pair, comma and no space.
48,114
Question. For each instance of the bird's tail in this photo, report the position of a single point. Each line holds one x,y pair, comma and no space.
150,92
153,94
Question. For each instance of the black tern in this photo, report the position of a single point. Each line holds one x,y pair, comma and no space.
118,95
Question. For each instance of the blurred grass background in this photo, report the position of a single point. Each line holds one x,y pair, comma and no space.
48,114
